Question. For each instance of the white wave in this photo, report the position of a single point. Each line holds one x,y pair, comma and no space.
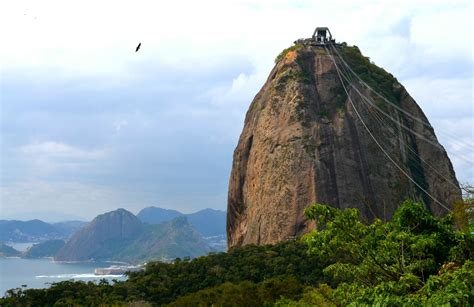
79,276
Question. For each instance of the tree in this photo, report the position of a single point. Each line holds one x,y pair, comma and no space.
463,210
384,262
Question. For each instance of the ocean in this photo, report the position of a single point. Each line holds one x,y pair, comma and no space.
39,273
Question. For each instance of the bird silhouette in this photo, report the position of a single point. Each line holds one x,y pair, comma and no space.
138,47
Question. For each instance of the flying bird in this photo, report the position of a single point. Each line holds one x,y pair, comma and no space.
138,47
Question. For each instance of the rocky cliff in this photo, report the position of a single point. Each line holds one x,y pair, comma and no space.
303,142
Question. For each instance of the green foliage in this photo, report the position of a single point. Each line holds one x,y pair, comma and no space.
414,260
162,283
323,113
463,210
376,77
392,263
245,293
285,52
300,75
175,238
319,296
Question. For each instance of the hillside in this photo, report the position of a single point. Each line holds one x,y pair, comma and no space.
8,251
27,231
155,215
119,235
44,249
208,222
165,241
37,230
102,238
68,228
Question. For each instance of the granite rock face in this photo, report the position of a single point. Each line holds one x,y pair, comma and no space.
303,143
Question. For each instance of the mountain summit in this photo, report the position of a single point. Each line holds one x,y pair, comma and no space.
102,237
329,126
119,235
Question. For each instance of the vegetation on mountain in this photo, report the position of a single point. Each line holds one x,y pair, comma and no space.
245,293
285,51
68,228
176,238
155,215
102,238
119,235
8,251
44,249
463,211
208,222
37,230
27,231
415,259
376,77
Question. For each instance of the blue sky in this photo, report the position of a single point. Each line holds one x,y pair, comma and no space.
88,125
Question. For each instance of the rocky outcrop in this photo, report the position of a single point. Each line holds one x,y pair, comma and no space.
302,143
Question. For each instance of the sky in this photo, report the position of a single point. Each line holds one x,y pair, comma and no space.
88,125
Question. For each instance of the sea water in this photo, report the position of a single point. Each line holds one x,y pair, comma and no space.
40,273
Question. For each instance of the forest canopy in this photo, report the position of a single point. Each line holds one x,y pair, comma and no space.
414,259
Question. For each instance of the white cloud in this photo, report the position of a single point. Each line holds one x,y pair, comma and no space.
448,105
120,124
56,158
73,198
443,98
444,31
160,111
60,150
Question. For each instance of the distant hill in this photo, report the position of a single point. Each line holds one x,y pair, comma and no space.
168,240
44,249
27,231
68,228
119,235
208,222
37,230
155,215
8,251
102,238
